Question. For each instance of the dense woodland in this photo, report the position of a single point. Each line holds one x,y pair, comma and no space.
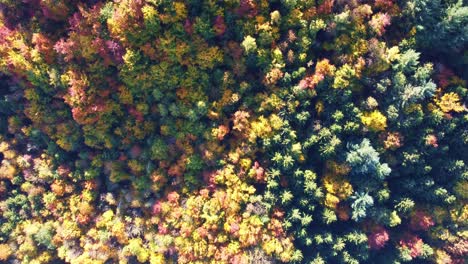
234,131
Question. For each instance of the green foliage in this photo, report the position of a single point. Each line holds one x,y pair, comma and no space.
364,160
159,149
362,201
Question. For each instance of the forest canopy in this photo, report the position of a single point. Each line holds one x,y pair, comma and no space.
235,131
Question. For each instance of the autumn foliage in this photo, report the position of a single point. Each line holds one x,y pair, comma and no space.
237,131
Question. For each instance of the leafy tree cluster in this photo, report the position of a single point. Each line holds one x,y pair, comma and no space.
237,131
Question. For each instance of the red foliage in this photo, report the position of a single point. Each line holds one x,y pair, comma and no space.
173,197
219,26
276,227
223,130
278,213
234,228
444,75
135,113
379,22
378,238
413,243
157,207
384,4
343,212
135,151
323,68
247,8
210,178
5,33
123,157
431,140
458,248
202,232
421,221
259,172
188,27
65,48
326,7
63,170
115,50
163,230
205,193
44,46
86,115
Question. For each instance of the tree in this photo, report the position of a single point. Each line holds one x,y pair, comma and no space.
364,161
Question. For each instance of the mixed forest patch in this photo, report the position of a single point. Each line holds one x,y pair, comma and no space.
235,131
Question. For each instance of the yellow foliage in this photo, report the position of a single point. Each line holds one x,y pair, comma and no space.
460,215
181,10
359,48
7,170
343,76
43,167
87,50
276,122
319,107
440,214
19,62
26,249
106,219
233,248
273,102
4,146
64,143
413,108
272,246
125,95
136,166
331,201
338,169
135,248
374,120
260,128
461,189
338,186
157,259
450,102
325,68
45,257
208,57
9,154
441,257
149,12
246,163
5,251
393,53
335,183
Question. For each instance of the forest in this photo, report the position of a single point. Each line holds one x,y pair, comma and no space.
233,131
